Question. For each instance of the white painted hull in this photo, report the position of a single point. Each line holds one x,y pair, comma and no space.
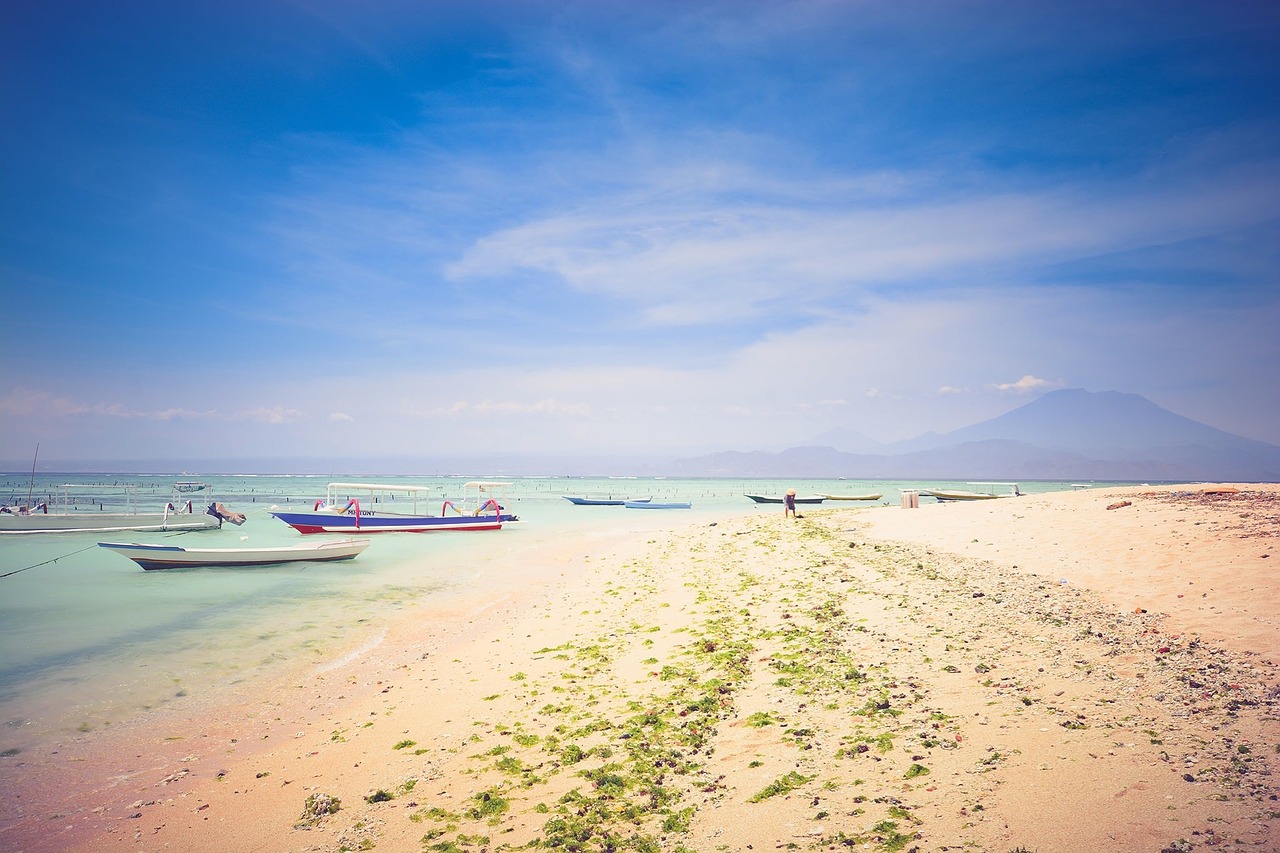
104,522
153,557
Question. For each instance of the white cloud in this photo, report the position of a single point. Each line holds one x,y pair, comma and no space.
1027,385
341,417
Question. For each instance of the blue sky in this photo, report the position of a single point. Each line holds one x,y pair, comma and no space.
256,229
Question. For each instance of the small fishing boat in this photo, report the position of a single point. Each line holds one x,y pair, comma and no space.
340,512
153,557
578,500
770,499
652,504
873,497
945,495
101,508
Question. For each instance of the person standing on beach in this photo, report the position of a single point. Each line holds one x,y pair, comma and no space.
789,504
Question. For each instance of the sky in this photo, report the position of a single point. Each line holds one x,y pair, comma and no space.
316,227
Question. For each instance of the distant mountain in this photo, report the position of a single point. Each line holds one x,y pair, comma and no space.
1064,435
1081,421
846,441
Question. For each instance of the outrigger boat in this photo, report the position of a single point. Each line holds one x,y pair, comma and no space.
81,508
609,501
339,512
770,499
961,495
652,504
874,497
153,557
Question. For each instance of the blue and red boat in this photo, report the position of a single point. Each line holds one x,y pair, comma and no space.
342,512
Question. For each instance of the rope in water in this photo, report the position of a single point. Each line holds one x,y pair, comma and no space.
72,554
47,562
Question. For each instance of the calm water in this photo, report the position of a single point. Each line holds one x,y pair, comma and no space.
88,640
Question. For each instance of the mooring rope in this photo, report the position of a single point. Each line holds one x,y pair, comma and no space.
47,562
73,553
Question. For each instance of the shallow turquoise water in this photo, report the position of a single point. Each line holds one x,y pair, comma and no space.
89,640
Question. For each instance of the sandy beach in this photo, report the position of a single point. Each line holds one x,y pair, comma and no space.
1076,671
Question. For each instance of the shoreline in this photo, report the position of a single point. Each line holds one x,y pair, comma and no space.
863,676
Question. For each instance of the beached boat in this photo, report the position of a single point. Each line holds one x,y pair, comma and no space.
579,500
962,495
652,504
153,557
872,497
481,508
82,508
770,499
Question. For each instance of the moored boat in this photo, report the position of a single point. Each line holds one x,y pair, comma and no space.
153,557
581,500
340,512
871,497
963,495
652,504
82,508
771,499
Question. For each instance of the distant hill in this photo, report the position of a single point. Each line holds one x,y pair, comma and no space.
1064,435
847,441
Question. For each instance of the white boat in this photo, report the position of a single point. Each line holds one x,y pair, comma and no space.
608,500
652,504
871,497
83,508
153,557
961,495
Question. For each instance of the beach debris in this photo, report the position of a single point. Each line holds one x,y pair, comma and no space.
317,806
1120,505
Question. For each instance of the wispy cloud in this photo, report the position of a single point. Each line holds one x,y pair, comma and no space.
1028,384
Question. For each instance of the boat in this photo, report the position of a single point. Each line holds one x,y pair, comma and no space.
872,497
153,557
82,508
944,495
770,499
652,504
578,500
339,512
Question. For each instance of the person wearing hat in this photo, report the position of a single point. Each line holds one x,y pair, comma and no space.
789,504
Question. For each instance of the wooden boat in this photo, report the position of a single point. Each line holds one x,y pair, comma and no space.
961,495
874,497
82,508
770,499
338,512
153,557
589,501
652,504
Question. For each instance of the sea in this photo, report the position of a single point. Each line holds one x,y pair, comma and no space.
88,640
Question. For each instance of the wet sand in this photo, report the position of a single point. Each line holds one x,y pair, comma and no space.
1042,673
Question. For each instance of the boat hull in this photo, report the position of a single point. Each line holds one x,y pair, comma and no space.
770,499
580,501
158,557
105,522
961,496
328,522
874,497
658,505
